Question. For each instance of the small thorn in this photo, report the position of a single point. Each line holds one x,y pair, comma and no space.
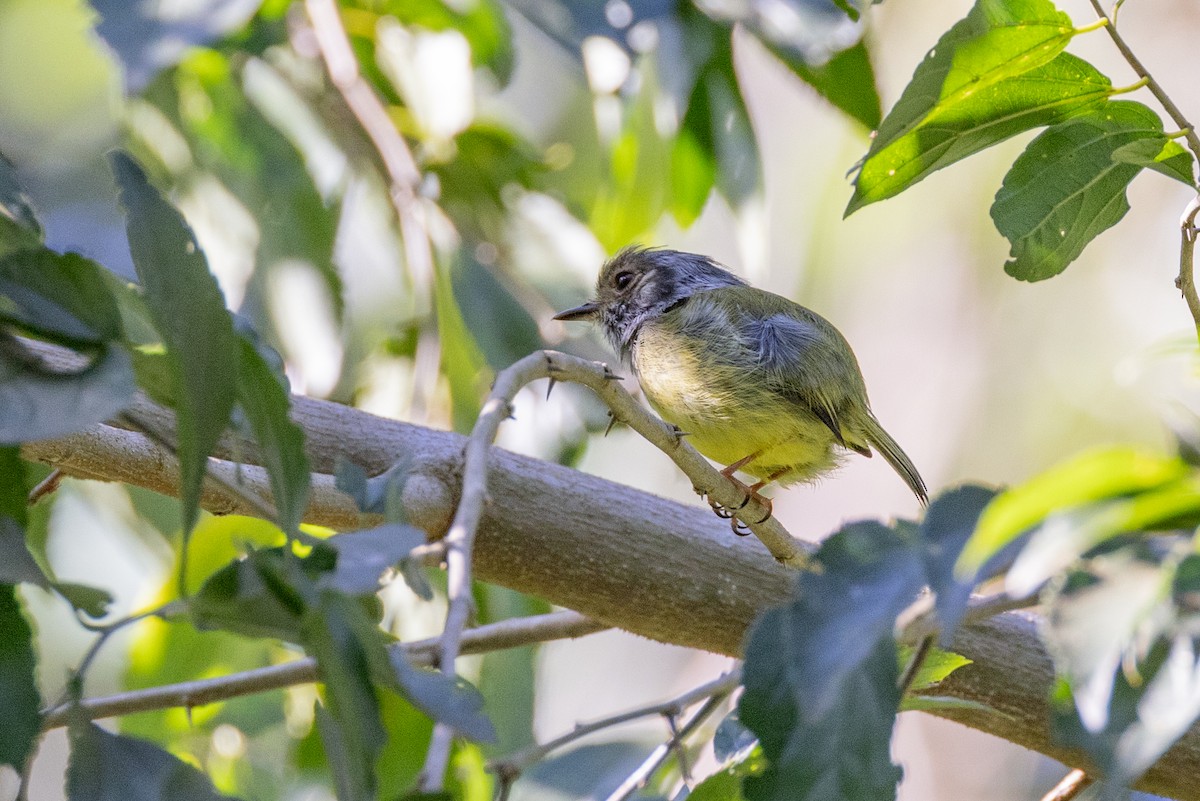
612,421
678,433
609,375
511,411
550,386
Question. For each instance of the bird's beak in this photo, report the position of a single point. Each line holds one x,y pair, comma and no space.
584,312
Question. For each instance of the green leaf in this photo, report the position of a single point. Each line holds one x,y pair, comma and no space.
847,81
462,361
18,683
726,784
821,670
265,400
266,594
110,767
455,703
348,648
1169,158
1065,537
40,404
937,665
363,556
1121,632
944,531
996,73
63,297
1088,477
1067,187
17,565
19,226
189,311
353,772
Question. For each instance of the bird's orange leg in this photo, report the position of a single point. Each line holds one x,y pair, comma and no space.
718,509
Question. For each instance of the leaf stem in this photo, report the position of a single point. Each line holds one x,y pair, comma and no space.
1155,88
1133,87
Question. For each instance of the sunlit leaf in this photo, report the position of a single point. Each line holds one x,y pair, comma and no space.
18,686
1067,187
1091,476
1169,158
110,767
997,72
189,311
726,784
935,668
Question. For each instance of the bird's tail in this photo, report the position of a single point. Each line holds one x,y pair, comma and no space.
896,457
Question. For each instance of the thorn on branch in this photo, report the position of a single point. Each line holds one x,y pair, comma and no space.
612,421
679,434
550,386
609,375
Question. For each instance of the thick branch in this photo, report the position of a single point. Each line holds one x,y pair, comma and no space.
664,570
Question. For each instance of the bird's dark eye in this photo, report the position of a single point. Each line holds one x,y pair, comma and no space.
622,280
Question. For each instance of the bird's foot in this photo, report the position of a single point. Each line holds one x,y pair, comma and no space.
739,526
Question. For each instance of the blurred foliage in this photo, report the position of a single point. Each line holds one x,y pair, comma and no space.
284,238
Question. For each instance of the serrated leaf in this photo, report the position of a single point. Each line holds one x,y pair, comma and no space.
1169,158
455,703
110,767
18,683
995,73
63,297
1091,476
266,404
40,404
825,653
19,226
189,311
363,556
1066,188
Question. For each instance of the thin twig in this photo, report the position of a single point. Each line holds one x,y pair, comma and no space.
706,479
397,159
190,694
1071,785
919,620
512,765
638,778
1154,86
46,486
914,665
1187,259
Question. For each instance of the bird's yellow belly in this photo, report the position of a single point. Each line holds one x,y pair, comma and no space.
728,416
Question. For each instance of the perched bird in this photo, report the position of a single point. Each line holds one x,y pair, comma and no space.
757,382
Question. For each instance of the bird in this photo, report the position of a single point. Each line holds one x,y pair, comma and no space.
757,382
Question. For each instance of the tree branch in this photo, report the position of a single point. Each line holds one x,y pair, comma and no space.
493,637
664,570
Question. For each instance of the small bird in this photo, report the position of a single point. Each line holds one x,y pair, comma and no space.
757,382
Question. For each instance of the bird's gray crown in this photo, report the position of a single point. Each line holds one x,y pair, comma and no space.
641,283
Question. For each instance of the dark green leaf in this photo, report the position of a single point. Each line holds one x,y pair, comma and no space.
996,73
64,297
266,403
590,771
948,524
17,564
262,595
353,772
14,489
18,686
19,226
362,556
1067,187
92,601
846,80
189,311
455,703
507,677
40,404
499,323
1169,158
110,767
821,671
1089,477
348,649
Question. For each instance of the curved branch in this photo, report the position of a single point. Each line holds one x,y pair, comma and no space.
664,570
